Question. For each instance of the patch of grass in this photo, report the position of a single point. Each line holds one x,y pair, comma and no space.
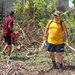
69,57
40,61
16,58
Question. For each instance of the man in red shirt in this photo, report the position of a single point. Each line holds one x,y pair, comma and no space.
7,30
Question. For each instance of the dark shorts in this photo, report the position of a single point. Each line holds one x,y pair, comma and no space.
55,48
9,40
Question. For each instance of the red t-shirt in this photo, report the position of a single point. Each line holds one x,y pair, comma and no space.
8,21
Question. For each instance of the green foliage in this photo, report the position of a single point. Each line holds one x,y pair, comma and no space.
35,12
73,1
69,19
18,8
42,22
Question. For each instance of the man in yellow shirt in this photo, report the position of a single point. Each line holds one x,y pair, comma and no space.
55,42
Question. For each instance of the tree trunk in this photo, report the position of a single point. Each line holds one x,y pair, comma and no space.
74,5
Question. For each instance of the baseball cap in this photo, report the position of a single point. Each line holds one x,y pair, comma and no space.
57,13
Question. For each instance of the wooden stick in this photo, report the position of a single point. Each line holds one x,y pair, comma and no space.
70,47
43,44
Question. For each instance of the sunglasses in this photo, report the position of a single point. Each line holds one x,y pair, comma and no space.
55,15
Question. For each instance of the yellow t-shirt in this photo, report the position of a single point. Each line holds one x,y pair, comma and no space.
55,34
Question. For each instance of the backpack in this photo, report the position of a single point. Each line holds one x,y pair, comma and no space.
58,23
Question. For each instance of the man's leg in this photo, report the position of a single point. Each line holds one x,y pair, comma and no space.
9,50
6,46
60,50
59,57
51,49
52,56
60,60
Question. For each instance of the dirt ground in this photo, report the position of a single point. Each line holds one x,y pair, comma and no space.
19,68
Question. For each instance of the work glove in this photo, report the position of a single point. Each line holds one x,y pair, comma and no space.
45,38
66,41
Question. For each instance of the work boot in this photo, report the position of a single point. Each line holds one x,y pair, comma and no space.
60,68
54,65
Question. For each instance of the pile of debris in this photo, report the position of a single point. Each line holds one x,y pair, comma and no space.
19,68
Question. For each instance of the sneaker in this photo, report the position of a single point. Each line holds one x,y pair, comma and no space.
3,52
7,59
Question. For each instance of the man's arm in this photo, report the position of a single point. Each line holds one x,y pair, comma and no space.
10,28
10,25
46,31
65,32
47,28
